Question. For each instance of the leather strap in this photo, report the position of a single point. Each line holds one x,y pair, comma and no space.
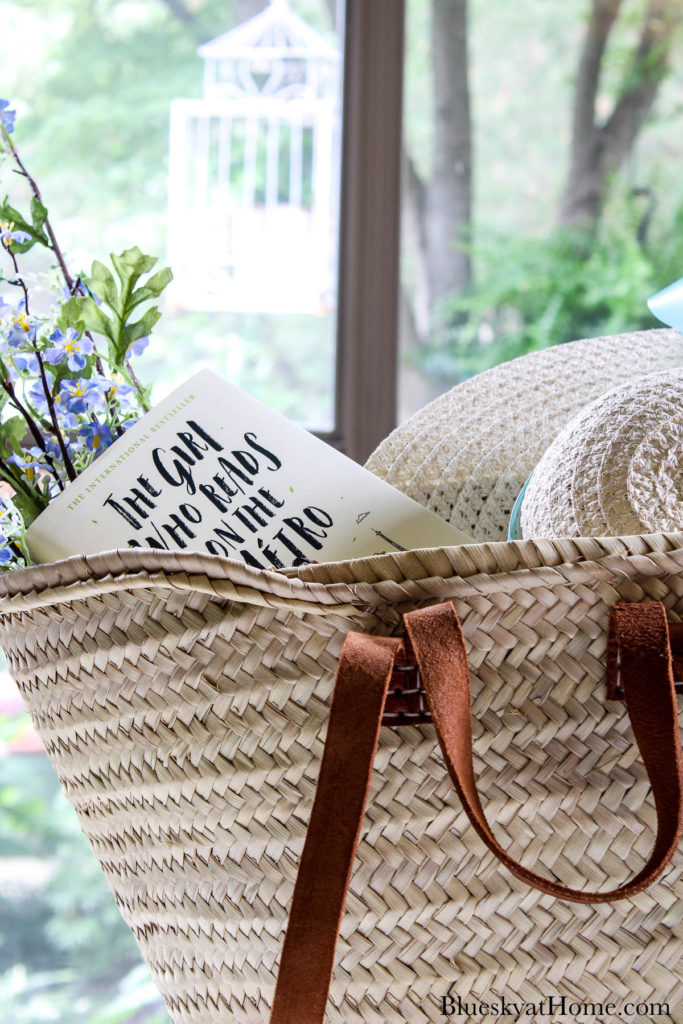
334,829
638,644
638,651
676,642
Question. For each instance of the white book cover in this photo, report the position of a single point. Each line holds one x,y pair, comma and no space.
212,469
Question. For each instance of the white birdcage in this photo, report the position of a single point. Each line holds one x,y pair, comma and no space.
253,174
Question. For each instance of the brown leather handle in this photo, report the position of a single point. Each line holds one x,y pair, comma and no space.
638,650
639,647
334,829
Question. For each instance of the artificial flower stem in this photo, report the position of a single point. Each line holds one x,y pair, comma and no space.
78,288
73,286
38,437
98,360
71,472
33,427
30,422
68,465
138,387
54,245
19,283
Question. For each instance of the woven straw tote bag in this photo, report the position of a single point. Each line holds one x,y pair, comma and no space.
185,702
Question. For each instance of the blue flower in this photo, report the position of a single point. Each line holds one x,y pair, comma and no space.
97,436
9,235
26,362
67,420
6,554
7,116
80,395
22,327
8,557
116,390
71,345
33,463
139,346
37,393
53,449
11,531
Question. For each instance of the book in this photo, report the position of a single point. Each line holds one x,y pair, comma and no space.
212,469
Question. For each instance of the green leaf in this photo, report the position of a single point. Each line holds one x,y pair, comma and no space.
102,283
141,327
132,263
38,214
153,288
11,215
12,433
70,315
119,299
30,500
30,505
94,319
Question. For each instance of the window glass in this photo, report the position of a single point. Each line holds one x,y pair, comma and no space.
208,134
516,233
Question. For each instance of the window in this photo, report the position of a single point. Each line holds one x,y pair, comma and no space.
94,90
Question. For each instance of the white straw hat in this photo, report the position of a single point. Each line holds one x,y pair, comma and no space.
616,468
467,455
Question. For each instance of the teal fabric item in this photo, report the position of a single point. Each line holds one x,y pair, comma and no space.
667,305
514,528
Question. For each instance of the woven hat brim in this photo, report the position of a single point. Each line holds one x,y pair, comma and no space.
584,485
467,455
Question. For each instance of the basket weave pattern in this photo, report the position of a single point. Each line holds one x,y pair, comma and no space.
183,701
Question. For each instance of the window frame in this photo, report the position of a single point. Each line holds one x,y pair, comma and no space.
365,398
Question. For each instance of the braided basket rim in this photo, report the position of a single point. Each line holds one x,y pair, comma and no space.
331,586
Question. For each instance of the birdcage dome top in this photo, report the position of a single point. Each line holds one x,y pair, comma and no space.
277,33
254,163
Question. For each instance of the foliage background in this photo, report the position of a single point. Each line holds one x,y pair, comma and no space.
533,283
66,955
93,86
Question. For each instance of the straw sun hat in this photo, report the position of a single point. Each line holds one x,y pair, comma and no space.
597,424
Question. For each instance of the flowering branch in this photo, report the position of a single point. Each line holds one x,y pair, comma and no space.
53,244
40,441
51,372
